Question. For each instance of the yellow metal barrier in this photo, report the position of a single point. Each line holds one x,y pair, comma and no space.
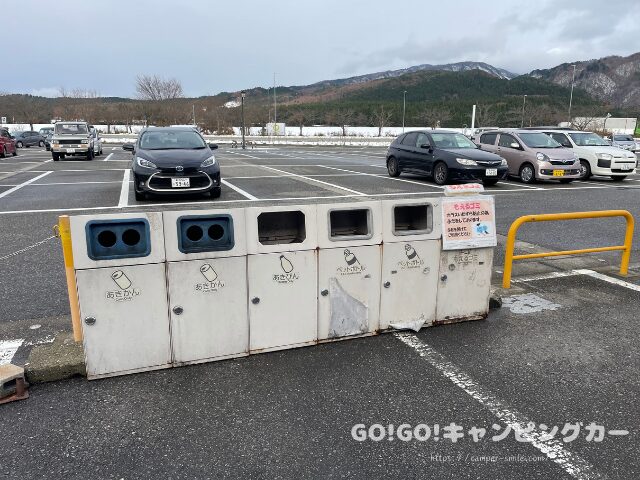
511,239
63,231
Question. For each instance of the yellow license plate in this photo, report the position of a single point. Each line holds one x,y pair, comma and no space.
558,173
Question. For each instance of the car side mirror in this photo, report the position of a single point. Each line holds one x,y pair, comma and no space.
514,145
128,147
213,146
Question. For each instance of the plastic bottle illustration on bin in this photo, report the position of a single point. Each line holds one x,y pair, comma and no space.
207,279
282,270
349,237
171,288
120,273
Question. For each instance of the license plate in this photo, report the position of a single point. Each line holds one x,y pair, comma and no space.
491,172
626,167
71,150
558,173
180,183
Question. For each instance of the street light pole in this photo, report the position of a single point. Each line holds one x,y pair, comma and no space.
242,94
404,107
571,96
524,102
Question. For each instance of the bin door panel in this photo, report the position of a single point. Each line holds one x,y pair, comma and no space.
131,328
349,287
282,300
464,284
409,283
208,308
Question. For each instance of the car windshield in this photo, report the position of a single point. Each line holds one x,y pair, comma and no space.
71,129
452,140
538,140
588,140
164,140
623,138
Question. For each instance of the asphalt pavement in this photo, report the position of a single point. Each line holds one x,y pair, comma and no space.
563,350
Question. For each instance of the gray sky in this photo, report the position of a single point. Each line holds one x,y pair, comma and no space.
213,46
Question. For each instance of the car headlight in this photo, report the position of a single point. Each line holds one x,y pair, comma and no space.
503,163
604,156
209,162
466,161
142,162
542,157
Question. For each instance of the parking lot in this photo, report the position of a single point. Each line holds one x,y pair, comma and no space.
563,349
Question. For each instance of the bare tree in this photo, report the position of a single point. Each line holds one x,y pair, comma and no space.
154,87
381,118
583,123
433,117
485,116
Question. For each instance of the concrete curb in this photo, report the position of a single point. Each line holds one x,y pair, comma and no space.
62,359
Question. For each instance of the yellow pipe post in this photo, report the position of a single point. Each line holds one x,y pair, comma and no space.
513,229
64,232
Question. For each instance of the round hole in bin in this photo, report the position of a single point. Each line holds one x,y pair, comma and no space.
194,233
107,238
130,237
216,231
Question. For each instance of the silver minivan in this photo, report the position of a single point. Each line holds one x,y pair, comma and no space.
532,155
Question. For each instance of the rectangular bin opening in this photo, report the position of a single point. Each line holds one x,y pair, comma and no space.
276,228
206,233
412,219
111,239
350,224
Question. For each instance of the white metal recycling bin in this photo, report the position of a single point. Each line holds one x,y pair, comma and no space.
349,237
282,275
207,281
468,238
410,261
120,274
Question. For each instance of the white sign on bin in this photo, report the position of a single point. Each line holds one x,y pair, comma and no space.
468,222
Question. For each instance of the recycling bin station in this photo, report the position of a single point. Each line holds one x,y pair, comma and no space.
206,254
410,262
120,274
349,239
466,261
282,277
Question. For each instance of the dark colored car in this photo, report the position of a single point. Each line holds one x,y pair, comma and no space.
444,155
173,160
7,144
47,133
28,139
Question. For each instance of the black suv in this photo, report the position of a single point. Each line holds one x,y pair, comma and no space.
444,155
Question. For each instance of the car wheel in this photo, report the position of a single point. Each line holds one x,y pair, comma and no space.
489,183
618,178
440,173
41,143
4,152
90,155
15,151
392,167
585,170
19,144
566,180
62,155
527,173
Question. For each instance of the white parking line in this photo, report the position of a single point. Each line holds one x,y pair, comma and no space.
8,349
583,271
295,175
384,176
510,184
245,155
124,190
24,184
106,159
239,190
554,449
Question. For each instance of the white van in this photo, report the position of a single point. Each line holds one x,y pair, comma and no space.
596,155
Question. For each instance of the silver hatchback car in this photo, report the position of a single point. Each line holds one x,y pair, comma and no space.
532,155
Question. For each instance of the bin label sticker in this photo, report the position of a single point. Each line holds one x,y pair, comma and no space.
468,223
213,283
288,275
413,260
125,291
352,264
